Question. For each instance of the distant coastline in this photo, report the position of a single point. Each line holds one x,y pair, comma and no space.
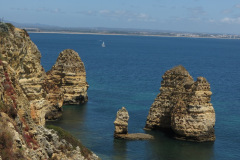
175,35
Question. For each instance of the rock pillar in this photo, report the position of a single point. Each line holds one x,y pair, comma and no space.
121,122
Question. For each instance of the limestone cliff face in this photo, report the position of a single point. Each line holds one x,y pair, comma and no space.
23,98
183,106
23,56
69,75
21,137
55,98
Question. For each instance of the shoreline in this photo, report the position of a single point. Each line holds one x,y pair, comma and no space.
122,34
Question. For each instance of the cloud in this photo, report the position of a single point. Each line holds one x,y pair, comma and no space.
227,11
196,11
192,14
231,20
120,14
55,10
237,5
212,21
20,9
88,13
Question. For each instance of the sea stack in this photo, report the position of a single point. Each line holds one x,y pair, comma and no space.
121,122
69,75
183,106
121,127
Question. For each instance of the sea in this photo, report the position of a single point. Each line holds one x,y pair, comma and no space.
128,72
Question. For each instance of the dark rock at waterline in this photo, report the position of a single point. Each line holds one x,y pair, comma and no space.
134,136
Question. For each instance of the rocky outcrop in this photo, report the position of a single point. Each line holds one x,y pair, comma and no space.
121,122
55,97
24,101
183,106
23,56
121,127
69,75
21,137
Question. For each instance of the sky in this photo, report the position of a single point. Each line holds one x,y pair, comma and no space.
202,16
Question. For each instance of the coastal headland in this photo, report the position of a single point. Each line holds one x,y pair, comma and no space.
133,32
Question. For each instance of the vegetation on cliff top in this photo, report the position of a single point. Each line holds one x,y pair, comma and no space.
5,28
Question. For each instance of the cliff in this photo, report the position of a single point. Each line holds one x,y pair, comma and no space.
25,97
23,56
183,106
69,75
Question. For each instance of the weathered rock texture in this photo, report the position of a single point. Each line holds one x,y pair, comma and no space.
121,122
23,56
69,75
21,137
23,99
183,106
55,97
121,127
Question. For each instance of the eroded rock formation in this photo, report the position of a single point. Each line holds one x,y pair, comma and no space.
69,75
121,127
55,97
21,137
23,57
183,106
121,122
24,100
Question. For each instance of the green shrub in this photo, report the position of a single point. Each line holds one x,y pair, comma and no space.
70,139
3,29
10,26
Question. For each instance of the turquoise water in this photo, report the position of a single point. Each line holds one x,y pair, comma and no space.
127,72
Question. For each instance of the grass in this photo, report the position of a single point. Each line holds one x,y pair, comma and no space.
70,139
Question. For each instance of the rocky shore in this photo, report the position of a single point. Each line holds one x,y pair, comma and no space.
28,95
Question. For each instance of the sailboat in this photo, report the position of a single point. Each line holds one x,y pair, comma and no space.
103,44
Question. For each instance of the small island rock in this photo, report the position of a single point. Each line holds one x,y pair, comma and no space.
121,122
121,127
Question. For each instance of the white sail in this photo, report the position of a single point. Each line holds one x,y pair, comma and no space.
103,44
